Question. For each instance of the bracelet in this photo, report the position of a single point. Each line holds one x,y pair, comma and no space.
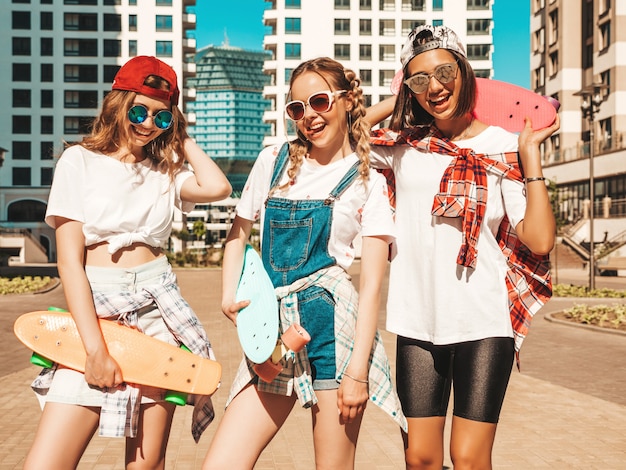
356,380
535,178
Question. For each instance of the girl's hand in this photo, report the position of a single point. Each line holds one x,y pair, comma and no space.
352,399
232,309
102,371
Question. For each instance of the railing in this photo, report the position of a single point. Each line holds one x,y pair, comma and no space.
581,151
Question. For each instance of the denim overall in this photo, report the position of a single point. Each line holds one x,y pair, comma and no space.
295,244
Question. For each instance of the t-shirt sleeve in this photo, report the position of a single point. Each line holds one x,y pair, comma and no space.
66,193
381,156
257,187
184,206
377,217
514,200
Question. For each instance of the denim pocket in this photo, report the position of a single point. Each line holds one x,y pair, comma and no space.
289,243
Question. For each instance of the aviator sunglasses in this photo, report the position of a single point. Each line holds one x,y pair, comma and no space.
444,73
139,113
319,102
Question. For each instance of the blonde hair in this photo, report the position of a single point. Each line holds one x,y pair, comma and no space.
338,78
109,130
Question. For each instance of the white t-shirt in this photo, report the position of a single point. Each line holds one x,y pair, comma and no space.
359,209
431,298
119,203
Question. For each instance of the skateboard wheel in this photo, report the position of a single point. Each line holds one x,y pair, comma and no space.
177,398
38,360
267,371
295,337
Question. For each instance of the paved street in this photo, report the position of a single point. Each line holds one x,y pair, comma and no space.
566,409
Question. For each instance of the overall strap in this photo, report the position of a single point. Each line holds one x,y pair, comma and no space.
280,164
345,182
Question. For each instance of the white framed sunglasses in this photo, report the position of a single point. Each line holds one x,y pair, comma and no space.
444,73
320,102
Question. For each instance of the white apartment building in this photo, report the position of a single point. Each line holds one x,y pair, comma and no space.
58,61
366,36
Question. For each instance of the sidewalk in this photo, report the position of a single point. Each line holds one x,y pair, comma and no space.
565,410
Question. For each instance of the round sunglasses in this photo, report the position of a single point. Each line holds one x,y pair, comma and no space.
444,73
319,102
139,113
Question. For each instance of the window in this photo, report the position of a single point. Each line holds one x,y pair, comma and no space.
112,48
80,47
46,176
46,47
45,20
605,36
21,176
342,4
553,27
482,73
366,77
387,28
47,150
478,27
605,78
164,48
412,5
288,75
80,2
80,22
132,22
293,50
387,52
292,4
437,22
342,51
365,51
80,99
21,72
21,98
553,64
80,73
21,124
293,26
478,51
112,2
112,22
385,77
47,124
132,3
47,98
77,124
164,3
365,27
109,72
20,20
132,47
365,4
164,23
437,5
410,25
478,4
46,72
342,26
21,46
21,150
606,134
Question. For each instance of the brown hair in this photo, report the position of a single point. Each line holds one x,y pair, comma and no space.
110,130
338,78
407,112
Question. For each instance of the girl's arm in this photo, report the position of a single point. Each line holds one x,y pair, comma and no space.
380,111
100,368
210,184
232,265
353,394
538,228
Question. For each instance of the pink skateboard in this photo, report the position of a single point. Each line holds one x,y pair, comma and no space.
506,105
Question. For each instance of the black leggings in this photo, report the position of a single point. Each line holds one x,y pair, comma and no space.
480,371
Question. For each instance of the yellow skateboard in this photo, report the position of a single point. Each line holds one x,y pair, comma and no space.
144,360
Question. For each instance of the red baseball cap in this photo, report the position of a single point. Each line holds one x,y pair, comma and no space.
133,73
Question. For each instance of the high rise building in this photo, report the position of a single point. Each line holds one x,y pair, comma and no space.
229,108
364,35
576,44
58,61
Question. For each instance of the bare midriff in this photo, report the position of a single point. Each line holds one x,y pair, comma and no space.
127,257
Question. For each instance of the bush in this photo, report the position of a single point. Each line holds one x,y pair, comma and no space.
23,284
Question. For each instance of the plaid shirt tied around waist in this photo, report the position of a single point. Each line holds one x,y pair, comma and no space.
120,408
463,193
297,377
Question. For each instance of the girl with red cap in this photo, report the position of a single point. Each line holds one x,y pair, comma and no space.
112,201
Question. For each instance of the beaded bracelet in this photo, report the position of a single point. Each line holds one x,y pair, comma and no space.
356,380
535,178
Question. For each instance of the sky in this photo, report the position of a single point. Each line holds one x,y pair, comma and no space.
241,22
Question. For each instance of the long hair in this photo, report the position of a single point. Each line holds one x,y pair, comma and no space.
407,112
338,78
109,131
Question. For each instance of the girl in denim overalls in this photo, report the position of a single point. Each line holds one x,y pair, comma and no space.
313,198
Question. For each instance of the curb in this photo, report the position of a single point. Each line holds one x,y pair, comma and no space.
549,317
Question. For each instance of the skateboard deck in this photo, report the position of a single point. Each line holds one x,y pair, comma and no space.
506,105
143,359
258,323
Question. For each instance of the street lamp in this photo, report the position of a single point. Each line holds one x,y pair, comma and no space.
592,96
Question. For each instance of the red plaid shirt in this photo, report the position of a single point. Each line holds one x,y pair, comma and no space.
463,193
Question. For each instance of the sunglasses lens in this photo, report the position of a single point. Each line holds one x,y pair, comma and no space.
137,114
295,110
445,73
418,83
163,119
320,103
